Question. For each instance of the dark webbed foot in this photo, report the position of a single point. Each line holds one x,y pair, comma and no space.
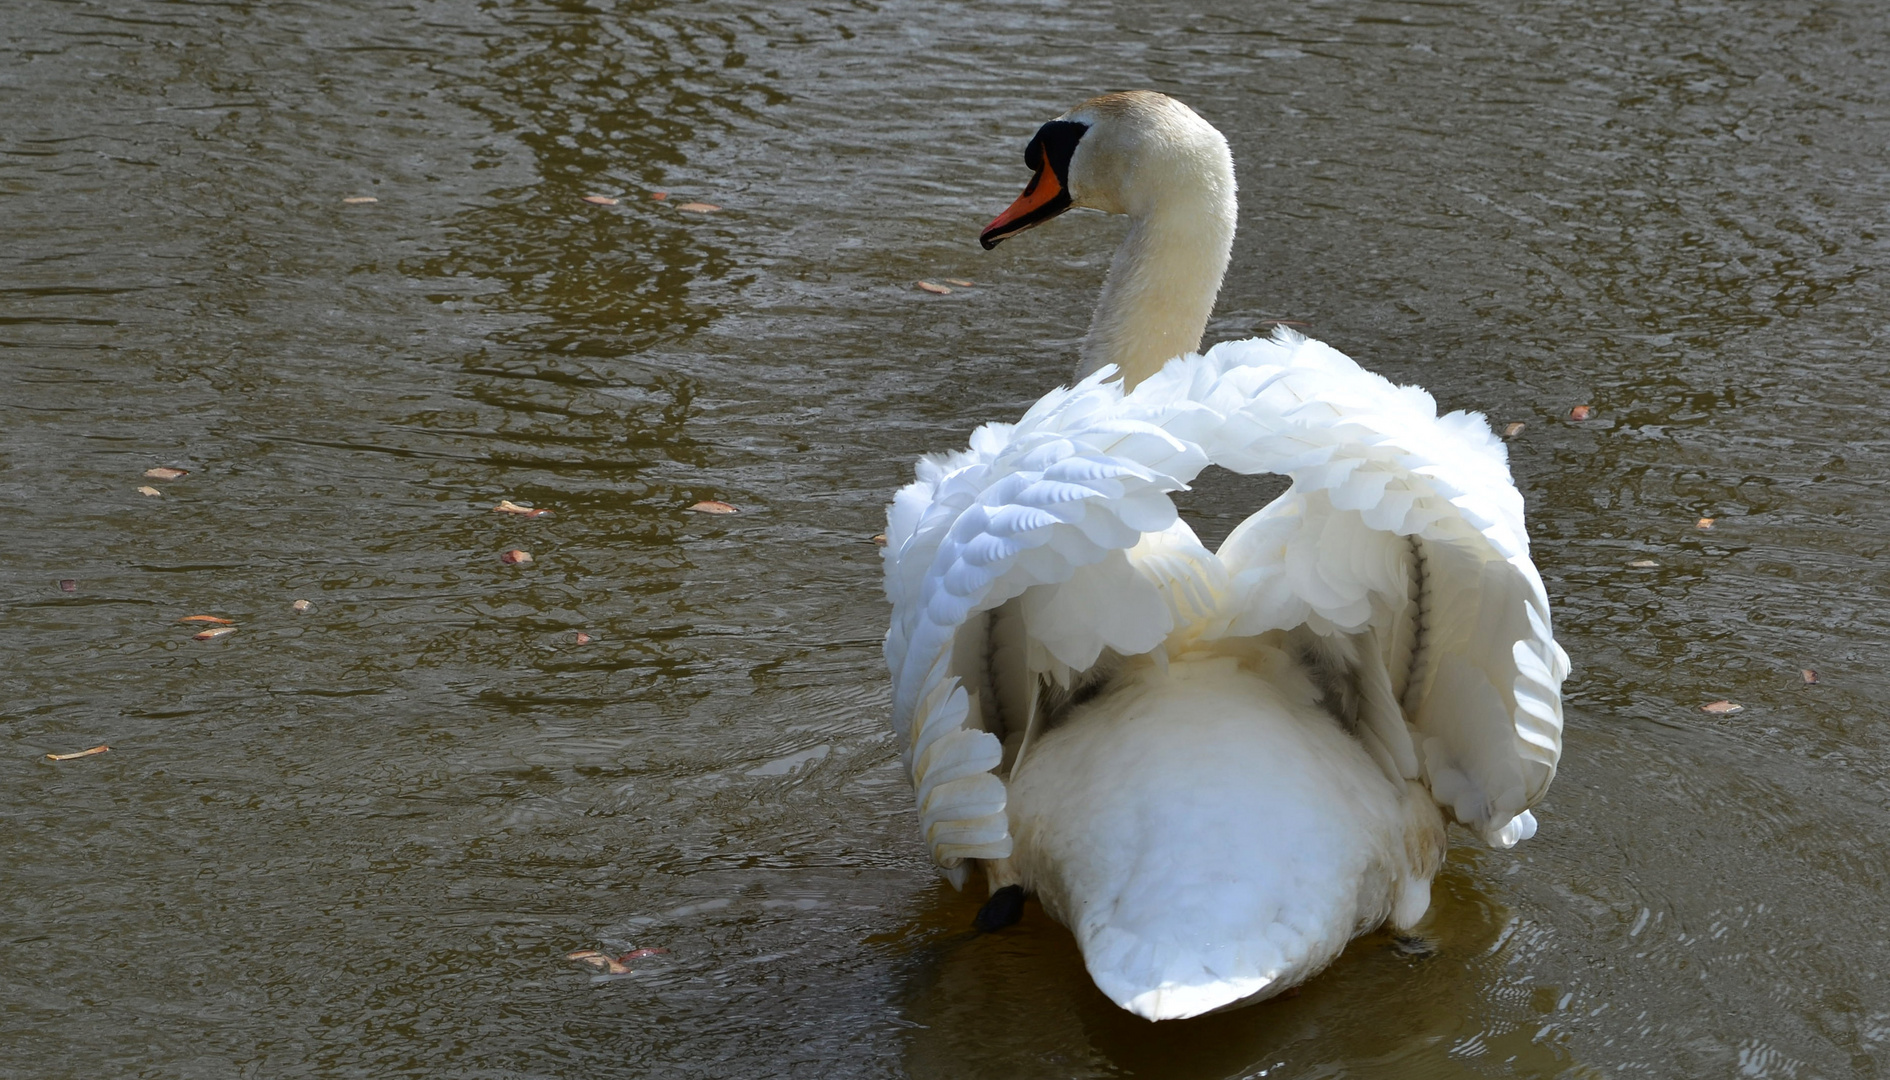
1005,907
1412,946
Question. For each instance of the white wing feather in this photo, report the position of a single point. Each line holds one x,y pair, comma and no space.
1053,500
1070,510
1376,473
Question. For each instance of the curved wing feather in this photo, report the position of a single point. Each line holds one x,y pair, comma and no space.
1395,514
1054,499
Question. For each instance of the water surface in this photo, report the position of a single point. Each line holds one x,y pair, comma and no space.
359,840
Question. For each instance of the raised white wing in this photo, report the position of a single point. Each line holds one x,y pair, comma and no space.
1400,544
1402,531
1054,500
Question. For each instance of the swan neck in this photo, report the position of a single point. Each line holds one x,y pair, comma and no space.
1161,286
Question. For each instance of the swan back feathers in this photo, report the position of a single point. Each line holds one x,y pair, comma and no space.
1071,504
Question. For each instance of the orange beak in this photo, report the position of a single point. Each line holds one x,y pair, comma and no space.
1043,199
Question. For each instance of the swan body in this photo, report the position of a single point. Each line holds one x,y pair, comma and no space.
1214,767
1208,832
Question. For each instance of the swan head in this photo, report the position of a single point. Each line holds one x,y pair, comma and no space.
1134,153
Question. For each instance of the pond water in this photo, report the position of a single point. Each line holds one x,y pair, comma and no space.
359,840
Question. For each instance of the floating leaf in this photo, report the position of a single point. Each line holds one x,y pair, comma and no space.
1721,708
594,959
960,282
356,200
163,473
1643,564
638,954
68,585
208,618
1581,412
507,506
713,506
879,539
1510,431
213,633
600,200
99,749
583,638
1703,523
515,557
698,208
659,196
149,490
1811,677
301,605
931,288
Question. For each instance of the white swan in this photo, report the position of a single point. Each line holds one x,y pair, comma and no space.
1215,768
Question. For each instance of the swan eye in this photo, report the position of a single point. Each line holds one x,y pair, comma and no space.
1055,141
1047,195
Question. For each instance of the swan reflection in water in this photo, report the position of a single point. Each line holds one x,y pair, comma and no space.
1020,1004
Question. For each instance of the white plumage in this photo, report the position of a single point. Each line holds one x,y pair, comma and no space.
1217,767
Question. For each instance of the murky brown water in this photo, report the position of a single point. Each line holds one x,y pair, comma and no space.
358,841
